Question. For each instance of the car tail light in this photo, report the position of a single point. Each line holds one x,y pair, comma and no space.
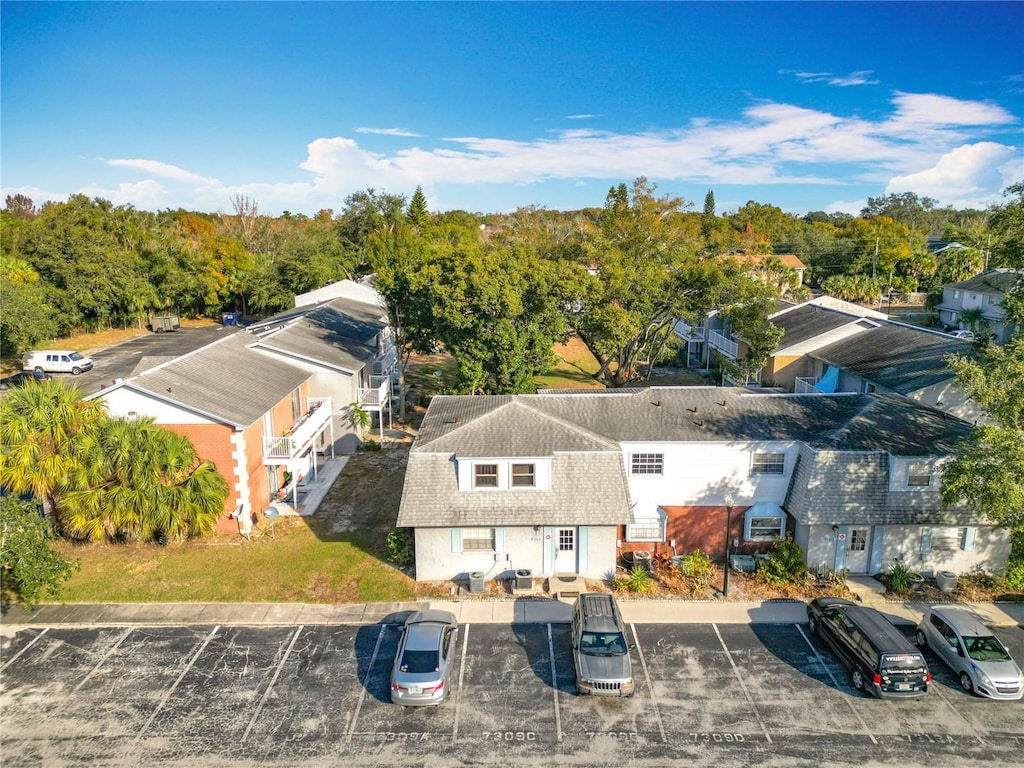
396,687
928,677
438,687
877,679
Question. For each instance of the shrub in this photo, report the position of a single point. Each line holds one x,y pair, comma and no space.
638,580
696,567
371,445
1014,577
785,564
899,577
399,546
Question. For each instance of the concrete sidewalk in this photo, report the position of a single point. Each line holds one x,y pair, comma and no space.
526,610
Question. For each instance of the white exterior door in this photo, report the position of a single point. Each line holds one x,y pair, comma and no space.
857,548
565,550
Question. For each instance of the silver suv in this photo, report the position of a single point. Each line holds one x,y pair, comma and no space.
599,648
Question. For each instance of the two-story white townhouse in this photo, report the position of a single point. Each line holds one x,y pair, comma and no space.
565,482
982,292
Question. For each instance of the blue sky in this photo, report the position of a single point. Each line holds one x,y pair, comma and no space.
491,106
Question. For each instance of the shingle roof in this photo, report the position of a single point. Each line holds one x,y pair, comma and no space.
339,333
898,357
807,321
695,414
225,380
993,281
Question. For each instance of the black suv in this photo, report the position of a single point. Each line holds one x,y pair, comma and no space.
880,659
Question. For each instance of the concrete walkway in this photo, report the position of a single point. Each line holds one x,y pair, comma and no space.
526,610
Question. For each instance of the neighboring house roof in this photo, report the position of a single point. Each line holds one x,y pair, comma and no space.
993,281
808,321
898,357
340,333
225,381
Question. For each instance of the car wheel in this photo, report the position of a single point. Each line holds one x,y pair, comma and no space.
966,683
858,679
812,624
75,371
922,641
39,369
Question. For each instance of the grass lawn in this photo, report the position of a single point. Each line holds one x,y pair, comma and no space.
311,560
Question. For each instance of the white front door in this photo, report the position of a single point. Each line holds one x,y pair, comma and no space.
565,550
857,549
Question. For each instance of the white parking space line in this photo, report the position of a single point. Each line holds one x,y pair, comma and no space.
739,677
835,683
170,691
554,685
270,686
933,690
32,642
364,682
647,681
462,677
99,664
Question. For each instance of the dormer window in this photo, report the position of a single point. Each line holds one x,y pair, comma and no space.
919,475
485,476
524,475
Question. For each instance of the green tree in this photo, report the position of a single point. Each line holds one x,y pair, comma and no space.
988,474
1008,226
141,482
26,317
42,434
30,567
642,272
417,213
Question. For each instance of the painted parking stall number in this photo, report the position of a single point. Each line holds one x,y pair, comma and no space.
509,736
404,735
718,738
616,735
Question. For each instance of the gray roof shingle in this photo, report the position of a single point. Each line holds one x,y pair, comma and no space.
898,357
225,380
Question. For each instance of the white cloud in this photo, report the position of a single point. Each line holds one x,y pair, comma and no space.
930,144
860,77
147,194
389,132
971,175
157,168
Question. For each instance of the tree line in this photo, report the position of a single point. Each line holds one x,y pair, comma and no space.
495,290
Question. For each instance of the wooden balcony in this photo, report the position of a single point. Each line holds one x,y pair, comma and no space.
301,436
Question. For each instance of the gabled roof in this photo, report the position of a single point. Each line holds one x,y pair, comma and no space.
808,321
993,281
898,357
226,381
849,422
340,333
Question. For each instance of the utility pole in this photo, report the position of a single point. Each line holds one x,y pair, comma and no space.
874,262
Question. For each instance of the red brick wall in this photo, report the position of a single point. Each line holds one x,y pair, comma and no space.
700,528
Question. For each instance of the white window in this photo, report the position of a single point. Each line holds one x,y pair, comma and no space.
768,464
919,475
956,294
651,528
647,463
478,539
485,475
993,299
524,476
761,527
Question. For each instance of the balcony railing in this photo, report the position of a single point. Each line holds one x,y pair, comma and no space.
317,418
723,344
377,395
804,385
685,331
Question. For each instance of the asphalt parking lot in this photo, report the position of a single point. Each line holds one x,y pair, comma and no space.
318,695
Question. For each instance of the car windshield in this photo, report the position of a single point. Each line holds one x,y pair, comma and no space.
985,649
76,356
904,663
419,662
603,643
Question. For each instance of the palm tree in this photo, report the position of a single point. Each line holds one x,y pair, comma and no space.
43,427
143,482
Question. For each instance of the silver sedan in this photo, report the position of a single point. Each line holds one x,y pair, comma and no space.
420,676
